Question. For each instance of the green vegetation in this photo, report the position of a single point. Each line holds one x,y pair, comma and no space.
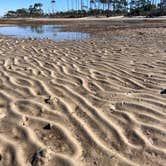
84,8
33,11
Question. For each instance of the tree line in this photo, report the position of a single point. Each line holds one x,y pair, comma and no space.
33,11
83,8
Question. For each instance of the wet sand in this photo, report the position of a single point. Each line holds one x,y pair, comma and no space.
84,103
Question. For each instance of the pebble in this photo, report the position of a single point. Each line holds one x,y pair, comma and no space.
162,92
48,100
47,127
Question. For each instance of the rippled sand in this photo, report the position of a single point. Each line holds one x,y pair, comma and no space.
93,102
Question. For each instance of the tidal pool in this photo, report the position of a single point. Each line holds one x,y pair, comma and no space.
52,32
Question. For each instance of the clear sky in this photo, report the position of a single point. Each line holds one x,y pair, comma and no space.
6,5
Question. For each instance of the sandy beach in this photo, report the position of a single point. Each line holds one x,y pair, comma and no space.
85,103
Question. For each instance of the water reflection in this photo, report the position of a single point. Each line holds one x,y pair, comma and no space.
45,31
37,29
34,29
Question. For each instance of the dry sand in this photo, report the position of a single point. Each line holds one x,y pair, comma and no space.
84,103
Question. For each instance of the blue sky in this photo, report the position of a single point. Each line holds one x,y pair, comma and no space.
6,5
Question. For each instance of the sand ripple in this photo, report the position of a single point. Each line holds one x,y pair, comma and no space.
94,102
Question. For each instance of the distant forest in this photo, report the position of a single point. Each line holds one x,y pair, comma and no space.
84,8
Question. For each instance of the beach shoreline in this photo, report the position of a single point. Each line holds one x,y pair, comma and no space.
89,24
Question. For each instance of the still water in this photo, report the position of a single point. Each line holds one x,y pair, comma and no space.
52,32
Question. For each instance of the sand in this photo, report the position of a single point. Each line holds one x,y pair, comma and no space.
84,103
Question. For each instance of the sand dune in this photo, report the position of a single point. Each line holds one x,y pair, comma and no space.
92,102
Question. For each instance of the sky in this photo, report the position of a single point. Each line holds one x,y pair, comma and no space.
6,5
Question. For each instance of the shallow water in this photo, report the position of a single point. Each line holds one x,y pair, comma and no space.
53,32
